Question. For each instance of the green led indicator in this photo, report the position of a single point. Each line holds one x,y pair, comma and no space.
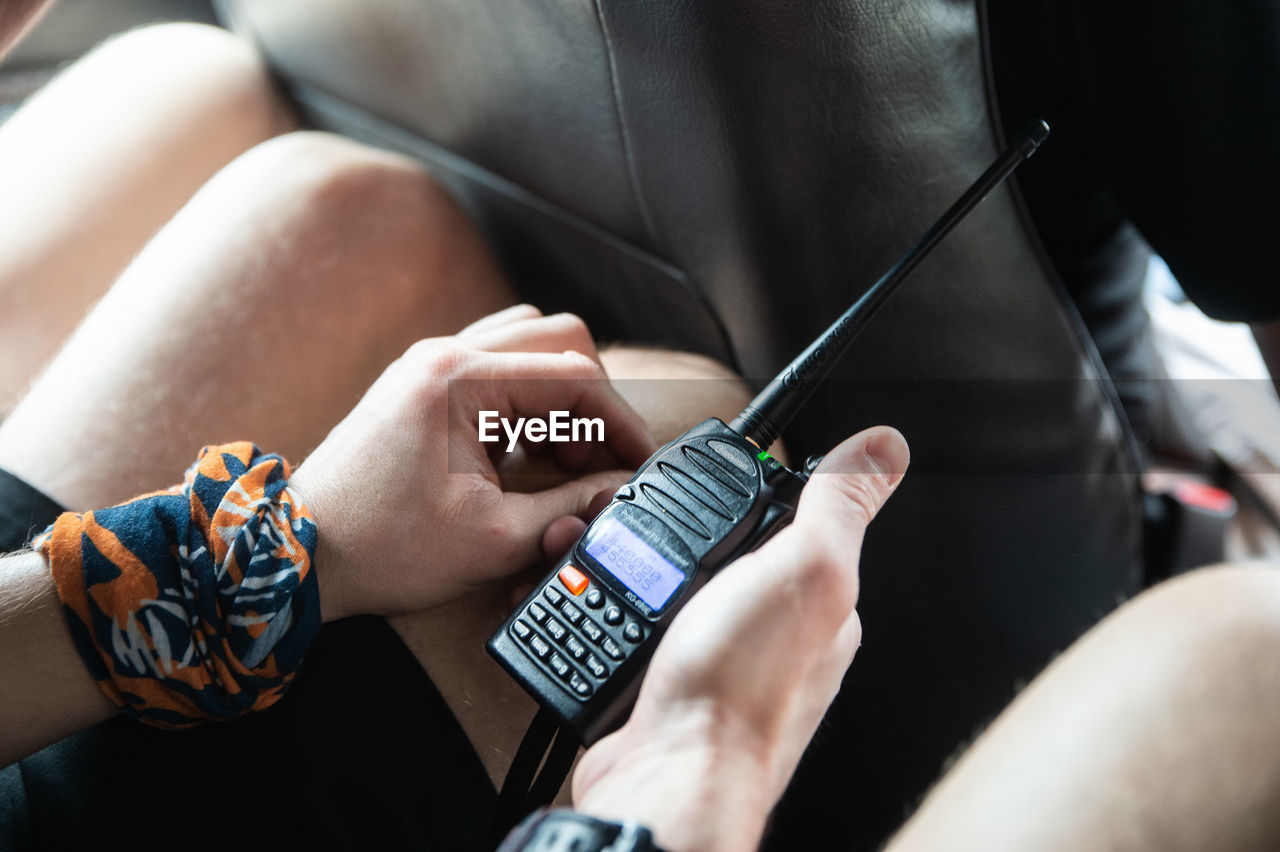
763,455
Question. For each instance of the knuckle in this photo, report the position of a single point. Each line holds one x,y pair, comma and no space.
581,366
863,494
572,325
437,360
828,573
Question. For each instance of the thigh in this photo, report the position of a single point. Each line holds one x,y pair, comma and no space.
98,160
261,312
1158,730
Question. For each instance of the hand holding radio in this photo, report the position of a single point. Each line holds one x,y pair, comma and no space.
746,671
410,507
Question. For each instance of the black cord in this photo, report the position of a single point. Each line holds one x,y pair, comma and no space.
555,770
525,789
513,799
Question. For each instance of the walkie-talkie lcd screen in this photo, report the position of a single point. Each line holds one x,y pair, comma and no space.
640,568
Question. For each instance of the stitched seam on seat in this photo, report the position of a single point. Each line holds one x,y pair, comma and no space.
1132,451
628,151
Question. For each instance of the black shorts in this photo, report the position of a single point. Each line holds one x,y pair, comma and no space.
24,512
363,752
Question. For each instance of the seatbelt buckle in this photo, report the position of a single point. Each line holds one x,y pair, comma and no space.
1186,523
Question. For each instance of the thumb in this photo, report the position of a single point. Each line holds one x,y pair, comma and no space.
853,482
529,515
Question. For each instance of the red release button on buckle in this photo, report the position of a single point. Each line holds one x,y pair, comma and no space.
1205,497
574,580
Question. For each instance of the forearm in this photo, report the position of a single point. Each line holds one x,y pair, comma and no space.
46,692
16,16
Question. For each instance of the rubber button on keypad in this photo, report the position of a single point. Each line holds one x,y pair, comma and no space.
556,629
537,612
520,630
594,599
593,630
575,648
539,646
632,632
613,615
571,612
598,668
579,686
611,648
574,580
559,666
552,595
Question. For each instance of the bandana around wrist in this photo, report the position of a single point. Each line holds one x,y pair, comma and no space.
194,603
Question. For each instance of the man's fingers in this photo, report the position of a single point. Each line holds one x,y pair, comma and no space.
556,333
531,517
819,552
506,316
853,482
534,384
561,534
564,531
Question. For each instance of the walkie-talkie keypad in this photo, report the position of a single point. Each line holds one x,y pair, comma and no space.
612,649
596,667
559,643
571,612
592,629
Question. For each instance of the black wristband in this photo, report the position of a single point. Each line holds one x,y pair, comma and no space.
563,830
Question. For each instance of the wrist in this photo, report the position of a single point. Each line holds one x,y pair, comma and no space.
328,564
696,780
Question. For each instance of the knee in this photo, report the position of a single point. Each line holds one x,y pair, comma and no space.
675,390
197,43
205,64
382,201
333,174
319,202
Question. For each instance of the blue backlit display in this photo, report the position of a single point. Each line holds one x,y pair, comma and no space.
629,558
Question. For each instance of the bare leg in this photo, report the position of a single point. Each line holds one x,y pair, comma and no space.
673,391
1157,731
262,311
100,159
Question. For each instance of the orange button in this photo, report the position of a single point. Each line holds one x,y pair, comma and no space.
574,580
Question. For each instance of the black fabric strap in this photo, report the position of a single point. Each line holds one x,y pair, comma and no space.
524,766
24,512
555,770
526,789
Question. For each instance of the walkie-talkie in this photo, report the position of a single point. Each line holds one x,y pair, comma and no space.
580,643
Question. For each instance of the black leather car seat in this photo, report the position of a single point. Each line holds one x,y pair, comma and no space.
727,177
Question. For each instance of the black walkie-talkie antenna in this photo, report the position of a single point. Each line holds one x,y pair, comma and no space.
769,413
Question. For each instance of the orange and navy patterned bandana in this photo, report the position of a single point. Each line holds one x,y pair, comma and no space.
195,603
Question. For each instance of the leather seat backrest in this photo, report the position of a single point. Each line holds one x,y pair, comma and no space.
728,177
